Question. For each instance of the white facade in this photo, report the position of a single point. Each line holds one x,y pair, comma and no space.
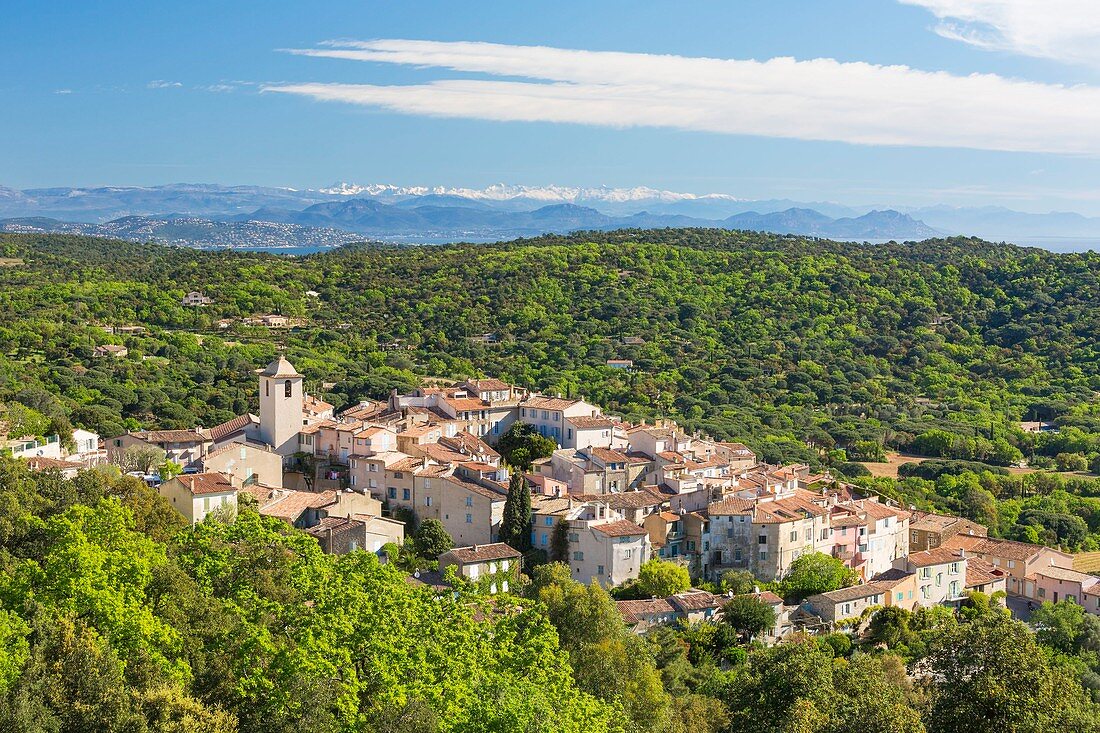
281,413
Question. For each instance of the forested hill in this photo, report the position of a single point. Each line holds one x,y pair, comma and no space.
777,341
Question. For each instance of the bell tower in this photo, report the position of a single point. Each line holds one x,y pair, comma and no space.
281,415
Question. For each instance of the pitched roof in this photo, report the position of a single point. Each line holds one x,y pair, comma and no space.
766,596
853,593
731,505
790,509
620,528
43,463
489,385
695,600
287,504
980,572
636,611
893,576
606,455
280,367
543,402
170,436
483,553
493,494
229,427
333,524
625,499
591,422
1071,576
1008,549
205,483
935,556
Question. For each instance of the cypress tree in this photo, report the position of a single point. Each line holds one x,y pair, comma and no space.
515,525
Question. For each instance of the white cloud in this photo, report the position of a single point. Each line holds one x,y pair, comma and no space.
162,84
1063,30
820,99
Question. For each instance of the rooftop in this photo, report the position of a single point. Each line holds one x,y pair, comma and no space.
200,484
483,553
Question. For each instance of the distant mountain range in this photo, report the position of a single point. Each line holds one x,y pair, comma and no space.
212,215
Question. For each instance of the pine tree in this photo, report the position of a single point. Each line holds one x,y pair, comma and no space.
515,525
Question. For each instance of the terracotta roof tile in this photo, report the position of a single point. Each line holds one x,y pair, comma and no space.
620,528
483,553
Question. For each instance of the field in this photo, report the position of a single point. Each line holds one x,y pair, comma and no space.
894,461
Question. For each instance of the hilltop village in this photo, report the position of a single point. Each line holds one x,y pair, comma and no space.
608,497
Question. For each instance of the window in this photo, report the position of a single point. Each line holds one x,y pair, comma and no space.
574,537
578,556
825,534
427,501
925,573
469,519
288,388
628,554
953,589
763,539
569,433
954,569
809,534
926,592
763,555
846,609
794,536
737,555
405,494
543,540
599,570
391,492
1011,564
900,596
545,415
504,565
1042,592
939,580
371,483
549,521
469,501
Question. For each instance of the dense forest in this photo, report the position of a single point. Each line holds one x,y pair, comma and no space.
116,617
806,350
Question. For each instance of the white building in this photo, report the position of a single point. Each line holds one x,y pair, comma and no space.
281,406
196,495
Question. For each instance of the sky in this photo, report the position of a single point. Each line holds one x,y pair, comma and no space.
893,102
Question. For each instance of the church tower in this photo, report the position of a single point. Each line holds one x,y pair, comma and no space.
281,414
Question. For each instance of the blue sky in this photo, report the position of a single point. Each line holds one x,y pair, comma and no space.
157,92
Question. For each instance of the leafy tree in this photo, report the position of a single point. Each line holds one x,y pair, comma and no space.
521,445
738,582
140,458
659,579
749,615
169,469
432,539
989,675
607,660
815,572
1067,627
